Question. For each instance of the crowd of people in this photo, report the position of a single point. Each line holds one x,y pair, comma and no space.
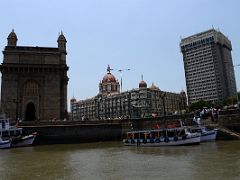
205,113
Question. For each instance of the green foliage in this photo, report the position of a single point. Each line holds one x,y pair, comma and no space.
199,105
218,104
230,101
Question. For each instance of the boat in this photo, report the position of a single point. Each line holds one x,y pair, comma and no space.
162,137
21,141
12,136
4,143
206,134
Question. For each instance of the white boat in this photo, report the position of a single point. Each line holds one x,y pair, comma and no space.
11,136
23,140
4,143
162,137
206,134
5,132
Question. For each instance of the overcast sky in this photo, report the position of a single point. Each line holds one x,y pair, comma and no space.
142,35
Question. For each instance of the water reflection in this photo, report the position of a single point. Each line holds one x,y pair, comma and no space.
112,160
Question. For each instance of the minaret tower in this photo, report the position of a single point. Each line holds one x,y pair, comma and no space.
12,39
62,42
62,47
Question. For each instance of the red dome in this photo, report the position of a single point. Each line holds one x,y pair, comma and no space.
73,99
109,78
142,84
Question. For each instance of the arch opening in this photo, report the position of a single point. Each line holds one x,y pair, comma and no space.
30,114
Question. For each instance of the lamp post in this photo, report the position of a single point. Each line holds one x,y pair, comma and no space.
121,73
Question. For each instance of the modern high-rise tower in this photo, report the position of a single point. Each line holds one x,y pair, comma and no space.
208,65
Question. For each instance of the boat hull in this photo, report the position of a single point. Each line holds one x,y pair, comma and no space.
24,141
5,144
209,136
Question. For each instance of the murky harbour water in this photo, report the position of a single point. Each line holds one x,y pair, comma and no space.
111,160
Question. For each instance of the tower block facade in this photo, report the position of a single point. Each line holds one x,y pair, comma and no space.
34,81
208,65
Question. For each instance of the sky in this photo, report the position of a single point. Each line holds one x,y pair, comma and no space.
140,35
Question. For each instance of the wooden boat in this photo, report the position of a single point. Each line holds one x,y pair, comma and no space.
162,137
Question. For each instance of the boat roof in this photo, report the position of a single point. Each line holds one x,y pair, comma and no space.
11,129
157,130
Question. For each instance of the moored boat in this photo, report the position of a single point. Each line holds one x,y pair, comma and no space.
162,137
206,134
4,143
23,140
11,136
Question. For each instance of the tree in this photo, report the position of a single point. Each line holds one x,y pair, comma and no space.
230,101
199,105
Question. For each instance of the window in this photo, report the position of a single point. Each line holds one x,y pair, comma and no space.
31,88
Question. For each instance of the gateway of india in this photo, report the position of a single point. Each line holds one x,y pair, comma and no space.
34,81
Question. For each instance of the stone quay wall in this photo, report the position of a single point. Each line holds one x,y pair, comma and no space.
230,119
109,130
73,132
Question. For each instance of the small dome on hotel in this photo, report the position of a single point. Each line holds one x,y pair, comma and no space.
73,99
154,87
142,84
183,93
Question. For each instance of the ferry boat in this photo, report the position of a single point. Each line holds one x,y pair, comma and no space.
162,137
206,134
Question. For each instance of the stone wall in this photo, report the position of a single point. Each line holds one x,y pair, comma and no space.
69,132
230,119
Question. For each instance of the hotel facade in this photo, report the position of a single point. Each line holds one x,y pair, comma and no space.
140,102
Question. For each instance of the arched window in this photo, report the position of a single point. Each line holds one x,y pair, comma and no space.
31,88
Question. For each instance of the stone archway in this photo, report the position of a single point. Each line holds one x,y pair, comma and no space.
31,100
30,112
